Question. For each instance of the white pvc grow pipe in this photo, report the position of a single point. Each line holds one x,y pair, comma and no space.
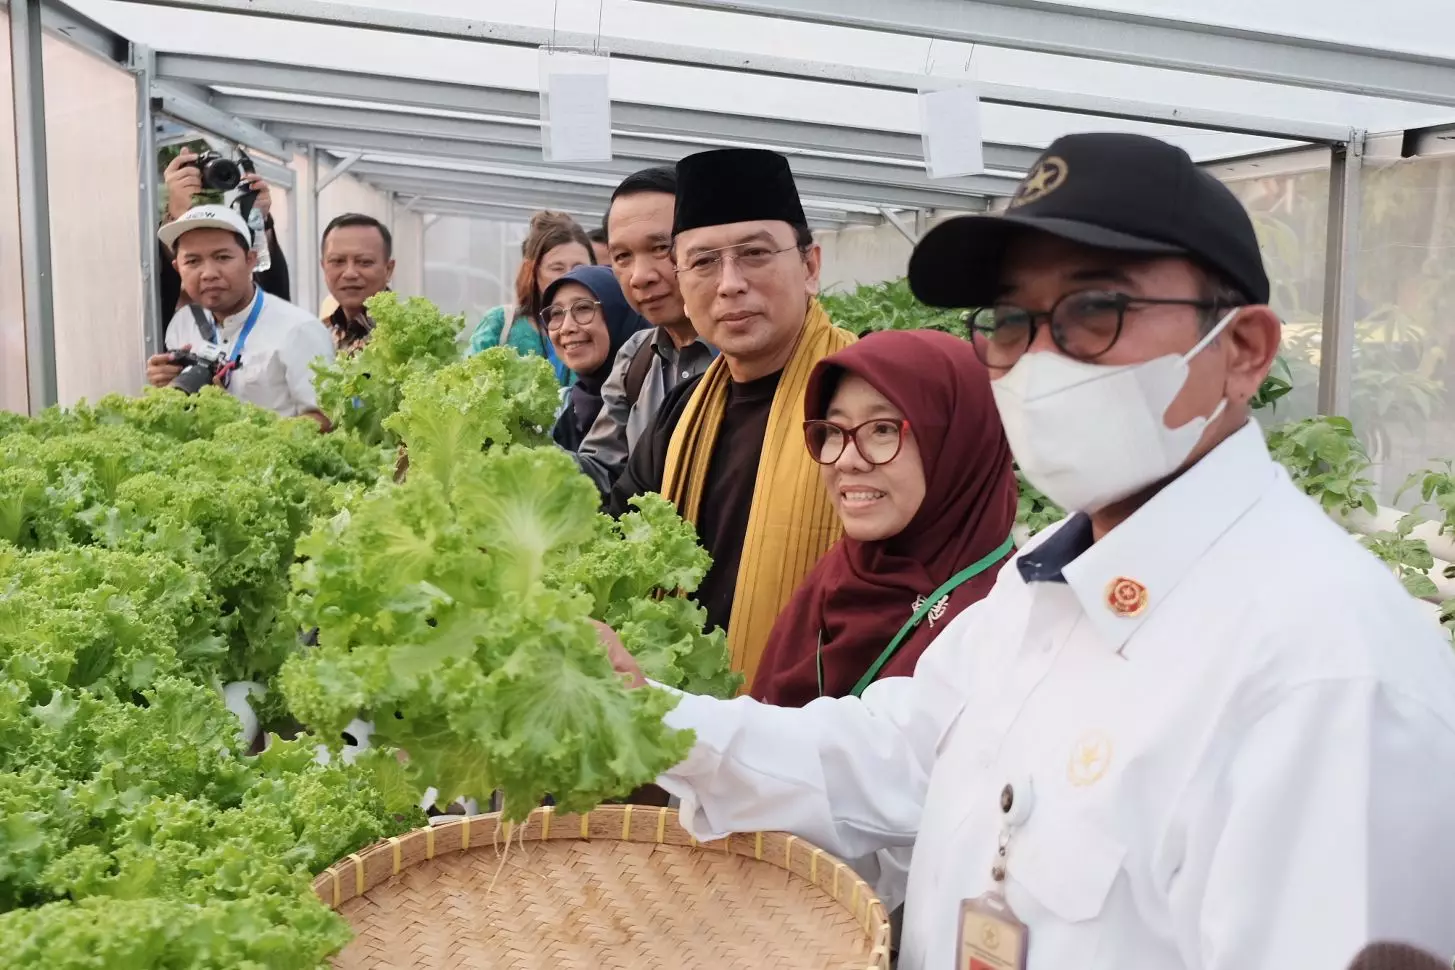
1442,547
235,696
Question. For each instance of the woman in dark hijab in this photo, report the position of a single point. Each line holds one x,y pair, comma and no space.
587,319
906,432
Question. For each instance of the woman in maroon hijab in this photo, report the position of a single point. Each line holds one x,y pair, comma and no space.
912,452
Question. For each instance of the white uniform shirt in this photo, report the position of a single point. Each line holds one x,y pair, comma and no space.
1257,771
275,371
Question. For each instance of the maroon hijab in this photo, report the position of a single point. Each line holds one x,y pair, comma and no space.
861,593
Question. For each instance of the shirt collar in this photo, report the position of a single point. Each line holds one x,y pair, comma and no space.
1123,579
231,325
342,321
1046,561
664,347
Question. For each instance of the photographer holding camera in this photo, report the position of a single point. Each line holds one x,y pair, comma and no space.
184,179
233,333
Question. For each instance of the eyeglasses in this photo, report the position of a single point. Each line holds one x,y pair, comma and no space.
878,442
751,259
583,311
1084,325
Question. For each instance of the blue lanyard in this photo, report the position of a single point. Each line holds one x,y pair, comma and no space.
242,337
954,583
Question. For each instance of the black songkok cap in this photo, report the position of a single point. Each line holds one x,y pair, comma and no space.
730,185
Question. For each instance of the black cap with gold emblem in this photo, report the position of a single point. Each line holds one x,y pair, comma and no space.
1129,193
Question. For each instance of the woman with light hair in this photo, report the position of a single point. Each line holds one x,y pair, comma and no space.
555,246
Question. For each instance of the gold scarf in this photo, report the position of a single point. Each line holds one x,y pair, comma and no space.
792,522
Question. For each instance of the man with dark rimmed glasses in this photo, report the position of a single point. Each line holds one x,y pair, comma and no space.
1196,725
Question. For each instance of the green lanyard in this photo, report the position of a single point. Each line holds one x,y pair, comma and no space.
954,582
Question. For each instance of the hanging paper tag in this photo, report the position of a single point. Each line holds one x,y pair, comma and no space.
991,938
575,105
950,125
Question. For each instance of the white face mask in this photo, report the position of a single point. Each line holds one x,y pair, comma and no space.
1088,435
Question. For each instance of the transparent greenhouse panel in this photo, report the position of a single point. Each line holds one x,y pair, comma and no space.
408,230
1403,394
1290,212
857,255
470,264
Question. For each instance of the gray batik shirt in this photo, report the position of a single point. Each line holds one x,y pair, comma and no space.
603,455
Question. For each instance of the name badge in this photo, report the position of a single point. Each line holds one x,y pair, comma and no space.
991,938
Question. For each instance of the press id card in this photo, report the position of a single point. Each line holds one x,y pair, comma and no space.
991,938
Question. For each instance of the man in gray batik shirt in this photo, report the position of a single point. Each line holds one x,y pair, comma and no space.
639,242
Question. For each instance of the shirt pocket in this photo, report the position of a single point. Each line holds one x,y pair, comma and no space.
263,380
1061,866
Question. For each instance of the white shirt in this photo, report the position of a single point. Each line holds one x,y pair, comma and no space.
1257,771
275,370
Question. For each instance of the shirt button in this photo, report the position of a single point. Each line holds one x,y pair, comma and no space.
685,375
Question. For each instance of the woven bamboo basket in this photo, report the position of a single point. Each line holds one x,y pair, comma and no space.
620,887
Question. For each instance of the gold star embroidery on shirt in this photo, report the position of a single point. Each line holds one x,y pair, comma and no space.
1090,759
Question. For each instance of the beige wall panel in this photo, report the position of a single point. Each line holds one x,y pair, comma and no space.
95,237
14,394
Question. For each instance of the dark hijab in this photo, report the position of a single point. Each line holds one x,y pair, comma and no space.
861,594
584,400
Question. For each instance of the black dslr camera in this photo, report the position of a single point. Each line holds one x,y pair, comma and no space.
199,367
218,173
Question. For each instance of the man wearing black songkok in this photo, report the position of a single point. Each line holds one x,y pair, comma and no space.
727,448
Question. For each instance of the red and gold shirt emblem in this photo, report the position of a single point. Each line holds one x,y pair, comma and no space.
1126,597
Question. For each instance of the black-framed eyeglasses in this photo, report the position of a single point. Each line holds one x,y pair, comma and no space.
583,311
752,258
878,442
1084,325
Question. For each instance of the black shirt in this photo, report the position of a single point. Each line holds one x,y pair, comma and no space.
731,480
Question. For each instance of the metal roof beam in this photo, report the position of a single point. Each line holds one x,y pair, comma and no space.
709,127
471,210
650,150
381,172
485,193
347,140
1129,38
552,199
524,209
184,107
627,48
58,18
530,186
451,207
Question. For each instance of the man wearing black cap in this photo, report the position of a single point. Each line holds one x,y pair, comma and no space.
1196,726
727,448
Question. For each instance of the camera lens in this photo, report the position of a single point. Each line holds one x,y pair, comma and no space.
193,378
221,174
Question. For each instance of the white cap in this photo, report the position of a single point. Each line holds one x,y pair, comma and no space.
204,217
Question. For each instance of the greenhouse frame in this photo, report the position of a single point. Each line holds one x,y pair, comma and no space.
442,124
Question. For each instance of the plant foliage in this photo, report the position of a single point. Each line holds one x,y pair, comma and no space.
455,609
888,306
144,553
1326,460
